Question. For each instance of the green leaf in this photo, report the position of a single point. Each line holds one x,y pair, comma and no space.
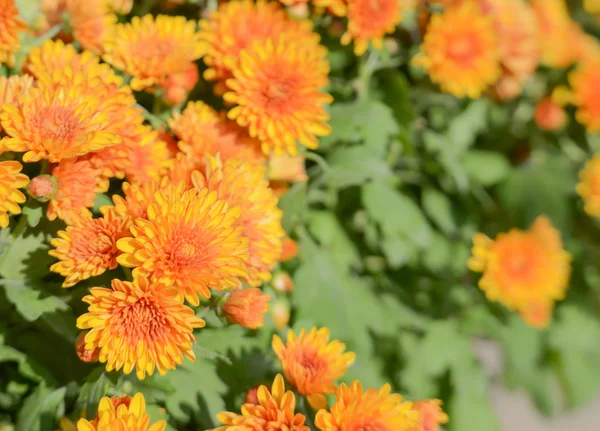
486,167
101,200
25,258
34,214
439,253
27,367
439,208
465,127
327,229
96,386
351,166
293,204
41,409
395,94
26,297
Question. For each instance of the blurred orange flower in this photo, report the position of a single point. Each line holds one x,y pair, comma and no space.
460,50
589,186
368,410
370,21
190,241
243,185
275,410
556,30
277,89
149,157
235,26
151,49
11,26
431,415
585,94
77,184
141,325
12,87
178,85
247,307
11,180
88,248
312,363
289,250
549,115
287,169
524,270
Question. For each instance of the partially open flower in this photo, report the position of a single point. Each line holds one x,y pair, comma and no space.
42,188
88,356
549,115
247,307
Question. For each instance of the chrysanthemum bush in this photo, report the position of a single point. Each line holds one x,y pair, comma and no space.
296,215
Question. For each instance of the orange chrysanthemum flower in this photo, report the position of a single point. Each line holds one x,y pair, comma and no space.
152,49
11,26
287,169
182,168
141,325
589,186
549,115
149,157
518,40
369,21
460,51
243,185
289,250
277,90
203,132
122,416
275,410
235,26
138,196
431,415
88,248
524,270
56,122
13,86
367,410
11,180
189,240
556,29
77,184
585,94
312,364
247,307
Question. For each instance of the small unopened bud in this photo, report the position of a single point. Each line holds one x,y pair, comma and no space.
289,250
178,85
252,396
86,355
280,313
282,282
247,307
43,188
549,115
431,414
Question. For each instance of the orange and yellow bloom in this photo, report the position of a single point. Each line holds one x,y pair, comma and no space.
524,270
247,307
11,180
88,248
277,90
11,26
460,50
275,410
589,186
312,364
431,415
141,325
151,49
585,94
373,409
129,415
190,240
244,185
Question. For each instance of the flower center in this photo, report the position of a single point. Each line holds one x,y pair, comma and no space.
56,123
102,244
463,49
144,320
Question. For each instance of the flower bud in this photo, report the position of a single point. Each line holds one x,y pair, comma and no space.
549,115
246,307
287,169
282,282
43,188
280,313
289,250
178,85
85,355
252,396
431,414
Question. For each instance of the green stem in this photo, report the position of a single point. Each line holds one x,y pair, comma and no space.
20,227
318,159
304,410
45,165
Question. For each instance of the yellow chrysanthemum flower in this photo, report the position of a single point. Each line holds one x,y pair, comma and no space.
77,184
275,410
11,180
556,31
88,248
524,270
11,26
370,21
203,132
277,90
312,364
460,50
129,416
234,26
152,49
137,197
141,325
244,185
190,240
122,7
367,410
56,122
589,186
